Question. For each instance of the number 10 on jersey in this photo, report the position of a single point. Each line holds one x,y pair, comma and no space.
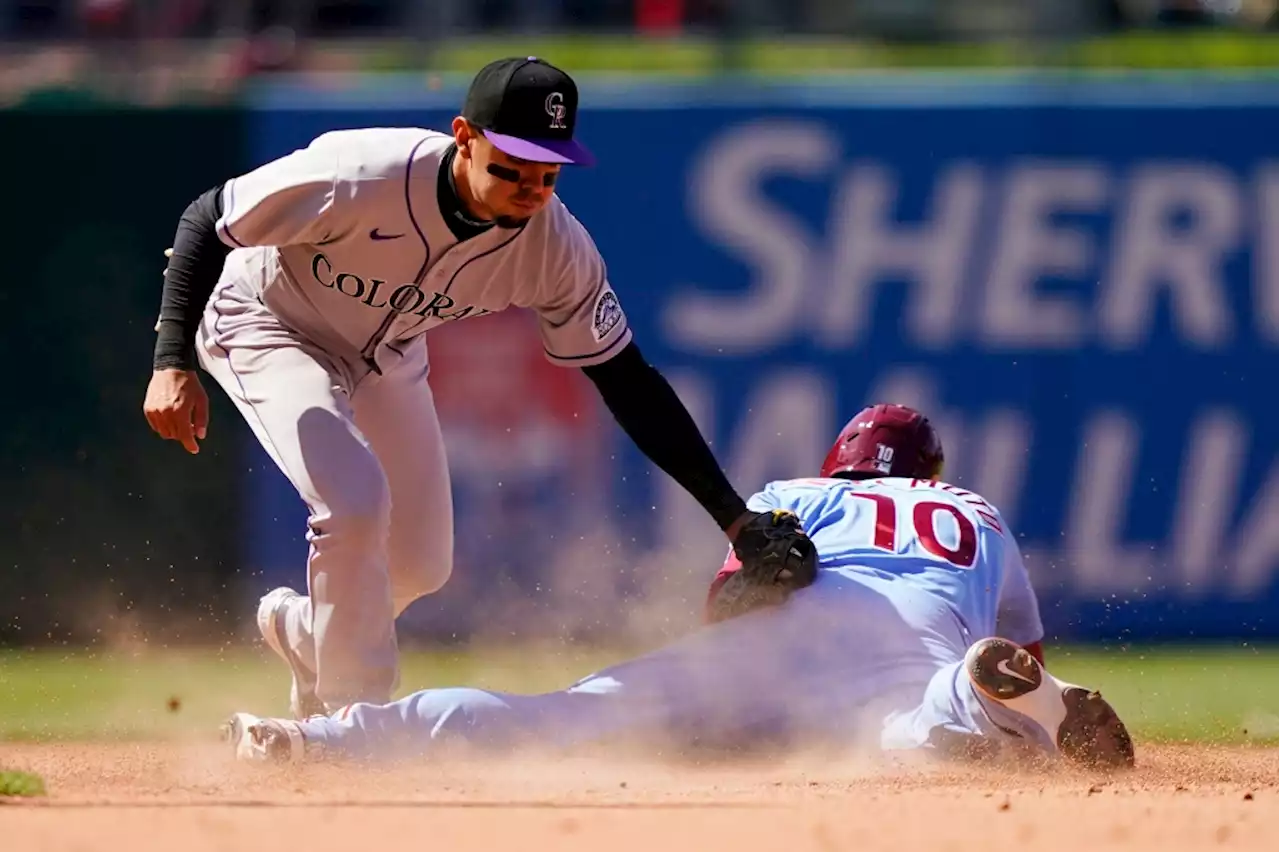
923,520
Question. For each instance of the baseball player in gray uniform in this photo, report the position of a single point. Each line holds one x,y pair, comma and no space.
305,288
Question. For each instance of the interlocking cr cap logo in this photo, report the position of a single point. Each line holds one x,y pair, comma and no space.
555,109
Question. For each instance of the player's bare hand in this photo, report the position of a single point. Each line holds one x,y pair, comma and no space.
177,407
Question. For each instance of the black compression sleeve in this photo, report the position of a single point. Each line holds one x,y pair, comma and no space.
651,414
192,274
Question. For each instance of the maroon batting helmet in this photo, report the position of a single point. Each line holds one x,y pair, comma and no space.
886,440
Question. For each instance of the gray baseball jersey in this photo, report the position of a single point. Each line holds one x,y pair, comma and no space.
363,261
342,262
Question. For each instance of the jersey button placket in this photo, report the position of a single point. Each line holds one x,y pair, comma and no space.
408,319
391,326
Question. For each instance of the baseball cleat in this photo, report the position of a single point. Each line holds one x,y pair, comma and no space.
303,702
259,740
1084,726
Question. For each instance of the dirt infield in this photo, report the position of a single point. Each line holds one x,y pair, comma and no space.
135,798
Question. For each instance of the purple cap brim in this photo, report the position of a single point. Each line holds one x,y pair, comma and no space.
557,151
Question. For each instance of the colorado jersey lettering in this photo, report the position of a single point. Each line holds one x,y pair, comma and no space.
301,227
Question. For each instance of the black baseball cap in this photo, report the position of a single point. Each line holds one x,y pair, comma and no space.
527,108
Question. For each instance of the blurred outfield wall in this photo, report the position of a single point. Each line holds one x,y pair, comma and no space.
106,529
1077,276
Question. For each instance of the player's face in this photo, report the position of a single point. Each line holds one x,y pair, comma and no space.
506,189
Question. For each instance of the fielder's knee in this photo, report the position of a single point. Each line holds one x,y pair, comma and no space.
359,518
422,572
407,589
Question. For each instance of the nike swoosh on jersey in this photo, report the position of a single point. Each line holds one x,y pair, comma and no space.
374,235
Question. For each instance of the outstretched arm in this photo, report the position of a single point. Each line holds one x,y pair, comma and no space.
648,410
777,557
582,324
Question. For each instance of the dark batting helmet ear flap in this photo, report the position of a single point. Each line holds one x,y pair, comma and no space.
886,440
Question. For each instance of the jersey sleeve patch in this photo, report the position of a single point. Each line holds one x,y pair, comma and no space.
606,314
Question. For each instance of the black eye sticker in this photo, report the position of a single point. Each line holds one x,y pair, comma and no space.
513,176
503,173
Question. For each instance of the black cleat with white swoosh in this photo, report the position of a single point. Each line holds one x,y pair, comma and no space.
1003,670
1084,726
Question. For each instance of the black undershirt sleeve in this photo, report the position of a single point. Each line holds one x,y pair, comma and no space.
193,272
648,410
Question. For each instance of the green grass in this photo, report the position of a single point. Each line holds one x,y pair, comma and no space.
52,695
1195,693
1209,694
14,783
782,56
